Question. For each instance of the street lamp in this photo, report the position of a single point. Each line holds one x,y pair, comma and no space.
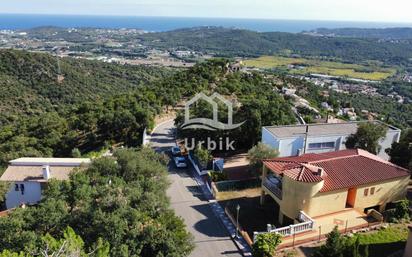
237,220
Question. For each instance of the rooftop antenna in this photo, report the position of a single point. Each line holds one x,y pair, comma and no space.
306,139
306,134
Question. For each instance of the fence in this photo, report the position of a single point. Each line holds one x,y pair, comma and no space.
242,232
232,185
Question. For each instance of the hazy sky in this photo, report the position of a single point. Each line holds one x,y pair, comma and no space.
354,10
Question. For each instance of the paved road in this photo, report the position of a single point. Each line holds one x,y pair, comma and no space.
210,237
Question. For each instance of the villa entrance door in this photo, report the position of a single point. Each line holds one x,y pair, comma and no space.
350,200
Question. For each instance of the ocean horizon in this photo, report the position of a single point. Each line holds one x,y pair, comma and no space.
160,24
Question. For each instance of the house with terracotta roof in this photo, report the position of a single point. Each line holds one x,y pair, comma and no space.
294,140
28,176
326,183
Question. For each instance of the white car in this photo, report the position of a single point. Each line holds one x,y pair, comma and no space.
175,150
180,162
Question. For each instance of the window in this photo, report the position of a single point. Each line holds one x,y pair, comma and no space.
365,193
318,146
16,187
372,191
22,189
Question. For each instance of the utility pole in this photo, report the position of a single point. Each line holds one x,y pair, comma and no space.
306,139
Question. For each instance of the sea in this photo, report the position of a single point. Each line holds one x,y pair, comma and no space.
160,24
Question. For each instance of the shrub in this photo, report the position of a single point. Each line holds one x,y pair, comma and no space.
203,155
265,244
399,213
259,153
217,176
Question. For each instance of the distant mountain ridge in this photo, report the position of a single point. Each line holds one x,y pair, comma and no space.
229,42
385,33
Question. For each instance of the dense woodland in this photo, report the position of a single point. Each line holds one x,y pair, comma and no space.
117,207
115,116
236,42
95,104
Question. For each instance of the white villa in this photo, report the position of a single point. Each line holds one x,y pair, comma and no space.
28,176
296,140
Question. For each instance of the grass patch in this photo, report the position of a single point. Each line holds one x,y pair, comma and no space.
367,72
388,235
385,241
252,192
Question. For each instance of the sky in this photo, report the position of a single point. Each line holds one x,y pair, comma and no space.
345,10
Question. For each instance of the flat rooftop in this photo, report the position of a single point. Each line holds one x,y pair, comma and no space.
320,129
33,161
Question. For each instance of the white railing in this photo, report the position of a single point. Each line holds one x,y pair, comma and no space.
306,225
303,217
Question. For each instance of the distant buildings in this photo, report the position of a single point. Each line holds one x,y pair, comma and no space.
28,176
295,140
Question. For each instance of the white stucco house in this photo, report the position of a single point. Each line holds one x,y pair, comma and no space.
295,140
28,176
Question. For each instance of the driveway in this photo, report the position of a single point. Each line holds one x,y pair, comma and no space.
210,236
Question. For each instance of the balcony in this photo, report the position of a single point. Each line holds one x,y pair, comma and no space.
274,185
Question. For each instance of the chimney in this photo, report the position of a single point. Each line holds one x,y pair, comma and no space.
46,172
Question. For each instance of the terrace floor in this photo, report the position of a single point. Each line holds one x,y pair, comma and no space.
346,220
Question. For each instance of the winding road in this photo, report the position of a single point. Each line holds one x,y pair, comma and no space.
210,236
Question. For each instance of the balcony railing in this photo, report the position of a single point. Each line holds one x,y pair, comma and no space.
307,225
275,188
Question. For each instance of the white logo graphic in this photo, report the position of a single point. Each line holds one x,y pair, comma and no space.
209,124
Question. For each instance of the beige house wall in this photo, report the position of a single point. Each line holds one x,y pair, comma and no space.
385,192
328,202
297,196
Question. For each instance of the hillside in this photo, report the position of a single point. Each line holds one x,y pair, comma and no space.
236,42
385,33
29,82
230,42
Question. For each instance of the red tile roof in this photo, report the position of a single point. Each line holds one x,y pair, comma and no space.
338,170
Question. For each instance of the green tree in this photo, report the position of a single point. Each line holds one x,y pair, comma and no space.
203,155
334,247
259,153
265,244
401,153
367,137
76,153
119,201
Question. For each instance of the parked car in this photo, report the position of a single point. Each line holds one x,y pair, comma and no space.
180,162
175,150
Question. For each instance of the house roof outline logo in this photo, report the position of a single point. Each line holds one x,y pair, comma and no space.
205,123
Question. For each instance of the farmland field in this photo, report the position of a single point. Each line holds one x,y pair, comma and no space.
309,66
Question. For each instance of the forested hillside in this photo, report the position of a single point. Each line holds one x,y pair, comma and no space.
236,42
231,42
113,109
385,33
29,82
